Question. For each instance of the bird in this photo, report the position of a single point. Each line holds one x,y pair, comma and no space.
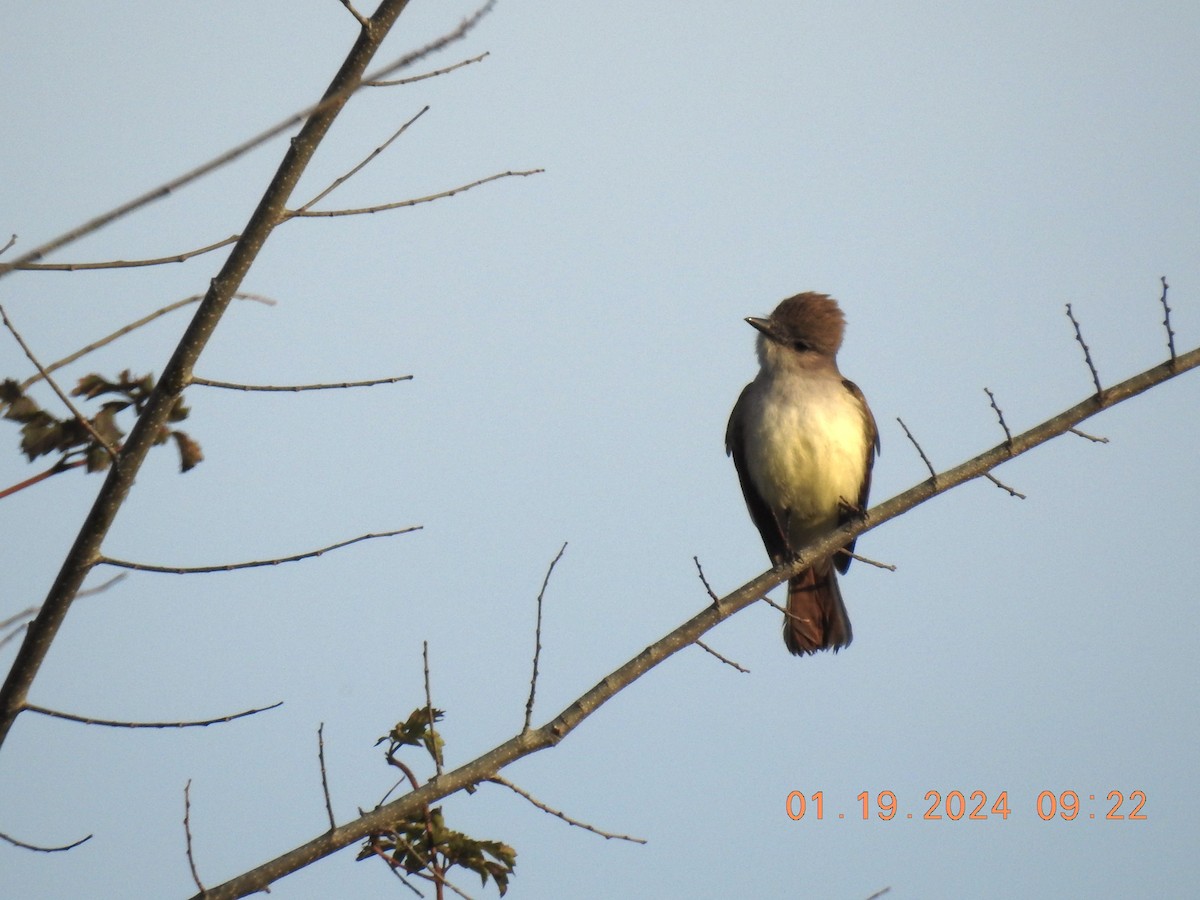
804,441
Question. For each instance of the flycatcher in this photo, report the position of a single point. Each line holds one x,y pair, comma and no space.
803,441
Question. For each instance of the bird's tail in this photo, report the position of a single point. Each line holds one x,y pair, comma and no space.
817,618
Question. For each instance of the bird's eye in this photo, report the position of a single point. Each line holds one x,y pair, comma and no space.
801,345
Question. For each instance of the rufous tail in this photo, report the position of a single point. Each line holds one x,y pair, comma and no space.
817,618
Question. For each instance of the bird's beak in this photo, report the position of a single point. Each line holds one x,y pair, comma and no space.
763,325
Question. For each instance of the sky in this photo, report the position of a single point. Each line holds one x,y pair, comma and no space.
954,174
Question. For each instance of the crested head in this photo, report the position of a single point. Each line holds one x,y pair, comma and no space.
807,321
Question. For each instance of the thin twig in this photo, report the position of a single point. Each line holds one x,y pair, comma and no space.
393,866
1004,487
324,777
234,386
102,587
433,74
767,600
1090,437
537,639
1167,318
327,106
87,426
57,469
1087,353
133,326
16,632
30,611
125,263
437,756
870,562
326,213
924,458
187,833
728,662
25,846
436,874
362,20
879,893
87,720
12,240
704,581
607,835
254,564
999,415
342,179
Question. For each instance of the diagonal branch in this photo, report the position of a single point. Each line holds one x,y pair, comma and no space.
399,204
79,417
342,179
411,78
525,743
348,80
85,551
132,326
607,835
253,564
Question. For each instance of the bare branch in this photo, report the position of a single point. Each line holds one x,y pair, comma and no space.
324,777
12,240
395,870
1166,318
537,640
57,469
258,563
25,846
362,20
607,835
1004,487
79,417
782,609
525,743
870,562
435,873
1090,437
87,720
234,386
436,754
19,629
102,587
433,74
133,326
342,179
464,28
704,581
403,203
315,119
924,458
1087,353
879,893
124,263
999,414
728,662
30,611
187,833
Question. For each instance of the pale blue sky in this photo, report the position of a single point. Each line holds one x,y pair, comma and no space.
952,173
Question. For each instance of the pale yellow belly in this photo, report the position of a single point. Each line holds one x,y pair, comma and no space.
807,459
